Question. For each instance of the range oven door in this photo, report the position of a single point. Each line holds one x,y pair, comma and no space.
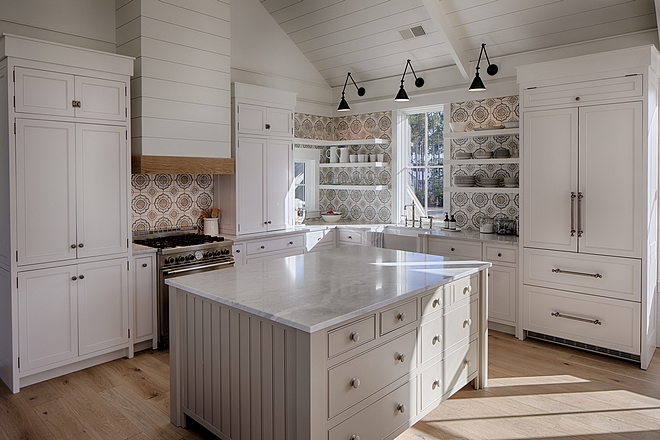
164,294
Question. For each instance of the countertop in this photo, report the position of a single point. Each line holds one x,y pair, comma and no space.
314,291
282,232
140,249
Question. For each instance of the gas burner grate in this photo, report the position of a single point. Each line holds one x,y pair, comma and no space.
172,241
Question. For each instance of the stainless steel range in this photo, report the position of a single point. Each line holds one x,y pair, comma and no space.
182,253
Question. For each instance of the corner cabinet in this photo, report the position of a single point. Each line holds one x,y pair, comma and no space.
65,227
590,183
258,197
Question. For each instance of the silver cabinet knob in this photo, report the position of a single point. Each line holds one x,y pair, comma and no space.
401,316
355,382
401,408
467,289
437,302
400,357
435,384
355,437
355,336
468,362
144,264
436,339
467,323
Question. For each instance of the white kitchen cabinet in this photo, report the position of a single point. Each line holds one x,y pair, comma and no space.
71,188
589,202
144,298
258,196
277,246
502,288
45,92
72,311
238,250
316,241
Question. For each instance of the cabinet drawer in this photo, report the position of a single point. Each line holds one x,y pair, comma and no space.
435,301
431,384
619,321
353,381
319,239
500,254
351,336
581,92
398,316
461,289
459,366
455,248
381,418
258,247
460,323
431,334
347,236
616,277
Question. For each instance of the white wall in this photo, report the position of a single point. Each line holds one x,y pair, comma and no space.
263,55
84,23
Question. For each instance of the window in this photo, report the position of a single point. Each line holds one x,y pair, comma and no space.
422,157
306,170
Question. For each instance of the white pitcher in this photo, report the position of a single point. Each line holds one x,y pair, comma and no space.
344,155
332,154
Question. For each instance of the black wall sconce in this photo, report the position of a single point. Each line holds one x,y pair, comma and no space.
343,105
477,84
419,82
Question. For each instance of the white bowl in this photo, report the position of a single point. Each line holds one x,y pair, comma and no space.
458,127
332,218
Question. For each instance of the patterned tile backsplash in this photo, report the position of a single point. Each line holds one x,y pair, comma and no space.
466,207
360,205
164,201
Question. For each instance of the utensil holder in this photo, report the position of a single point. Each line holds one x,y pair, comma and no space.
210,226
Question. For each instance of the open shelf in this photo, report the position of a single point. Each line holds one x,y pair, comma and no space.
481,133
352,164
481,161
359,187
322,143
482,189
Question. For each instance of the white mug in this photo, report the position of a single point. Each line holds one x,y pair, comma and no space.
362,157
354,158
344,155
372,157
380,157
332,154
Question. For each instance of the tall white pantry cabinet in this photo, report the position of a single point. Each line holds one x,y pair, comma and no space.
64,212
590,193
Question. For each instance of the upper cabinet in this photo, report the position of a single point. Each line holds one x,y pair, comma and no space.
59,94
266,121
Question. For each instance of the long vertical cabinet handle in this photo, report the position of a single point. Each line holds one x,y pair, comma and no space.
579,214
572,214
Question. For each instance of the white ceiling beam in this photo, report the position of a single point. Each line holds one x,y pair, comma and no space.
446,30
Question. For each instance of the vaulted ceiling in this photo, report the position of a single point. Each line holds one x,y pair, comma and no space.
372,39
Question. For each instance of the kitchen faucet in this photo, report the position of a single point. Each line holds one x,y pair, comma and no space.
412,205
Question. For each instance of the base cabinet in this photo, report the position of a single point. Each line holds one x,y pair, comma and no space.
71,311
144,299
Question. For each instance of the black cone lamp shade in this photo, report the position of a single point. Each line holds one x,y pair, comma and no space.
402,96
343,105
477,84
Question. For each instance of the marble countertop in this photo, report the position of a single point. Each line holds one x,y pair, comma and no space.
281,233
314,291
140,249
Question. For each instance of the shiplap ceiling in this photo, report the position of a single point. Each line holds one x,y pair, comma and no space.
363,36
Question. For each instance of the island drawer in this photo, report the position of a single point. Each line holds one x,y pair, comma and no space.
349,236
460,365
455,248
397,317
460,290
500,254
360,377
435,301
257,247
430,381
351,336
460,323
380,419
431,335
611,277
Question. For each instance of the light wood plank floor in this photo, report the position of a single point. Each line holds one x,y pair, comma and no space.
536,391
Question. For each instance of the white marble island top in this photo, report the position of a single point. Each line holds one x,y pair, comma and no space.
314,291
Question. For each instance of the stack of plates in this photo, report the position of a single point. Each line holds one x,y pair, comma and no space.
463,155
490,182
482,154
464,181
510,182
502,153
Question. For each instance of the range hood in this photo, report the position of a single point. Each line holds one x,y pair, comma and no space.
181,165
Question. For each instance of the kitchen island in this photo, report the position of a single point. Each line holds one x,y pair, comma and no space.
349,343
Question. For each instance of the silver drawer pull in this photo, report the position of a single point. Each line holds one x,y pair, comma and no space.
577,318
572,214
355,336
400,357
436,384
467,362
354,437
437,302
401,408
584,274
467,323
401,316
436,338
355,382
467,289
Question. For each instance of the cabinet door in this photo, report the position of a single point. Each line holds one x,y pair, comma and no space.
45,191
102,182
48,316
279,122
279,169
239,254
102,305
251,119
100,98
250,182
502,294
42,92
144,285
550,170
611,179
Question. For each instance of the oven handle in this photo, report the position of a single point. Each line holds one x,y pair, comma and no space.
208,266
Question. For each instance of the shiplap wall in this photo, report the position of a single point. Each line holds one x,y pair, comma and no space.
181,93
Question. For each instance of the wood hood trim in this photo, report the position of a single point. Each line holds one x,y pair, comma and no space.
180,165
